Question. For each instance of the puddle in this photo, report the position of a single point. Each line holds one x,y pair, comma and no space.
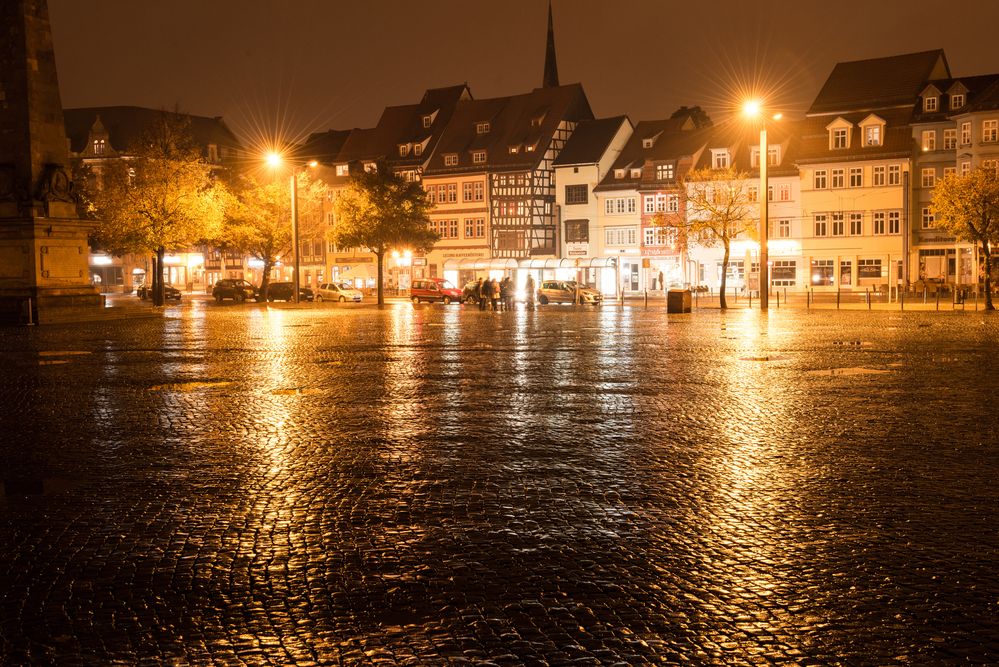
762,357
848,371
190,386
849,343
296,391
63,353
52,362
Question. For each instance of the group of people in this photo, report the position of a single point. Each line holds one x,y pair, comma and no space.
500,294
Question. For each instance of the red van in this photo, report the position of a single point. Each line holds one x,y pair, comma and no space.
434,289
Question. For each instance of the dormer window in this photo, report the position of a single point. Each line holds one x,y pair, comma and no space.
482,128
478,157
99,146
451,160
370,167
872,135
773,156
930,104
403,150
529,148
840,138
872,130
213,153
957,100
648,142
720,158
619,173
665,172
514,150
341,170
428,121
418,150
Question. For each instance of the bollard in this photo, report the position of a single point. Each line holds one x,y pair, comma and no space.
938,299
924,296
901,300
750,300
868,298
808,299
646,297
837,298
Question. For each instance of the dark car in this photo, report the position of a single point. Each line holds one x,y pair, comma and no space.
283,292
233,288
169,292
434,289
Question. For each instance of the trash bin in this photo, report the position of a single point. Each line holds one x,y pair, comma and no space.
678,301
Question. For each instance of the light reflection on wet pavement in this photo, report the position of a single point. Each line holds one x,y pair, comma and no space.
434,485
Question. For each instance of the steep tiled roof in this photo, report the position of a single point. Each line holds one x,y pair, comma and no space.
985,98
879,83
977,94
126,124
741,138
672,139
323,146
898,141
590,140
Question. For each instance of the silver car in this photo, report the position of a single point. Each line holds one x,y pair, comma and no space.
564,291
338,292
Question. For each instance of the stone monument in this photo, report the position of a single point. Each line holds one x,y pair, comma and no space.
44,275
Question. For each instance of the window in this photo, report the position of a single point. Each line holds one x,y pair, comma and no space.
576,194
529,148
820,179
929,177
482,128
403,150
838,178
370,167
878,175
753,193
894,222
428,121
990,130
929,104
451,160
342,170
577,231
822,272
648,142
965,167
783,229
99,146
619,205
620,236
478,157
894,174
619,173
992,165
719,158
950,171
657,236
447,229
856,177
475,228
665,172
770,193
785,192
856,223
965,133
650,204
837,224
929,142
783,273
868,268
927,219
636,173
950,139
846,272
471,191
840,138
452,193
821,220
878,220
956,100
672,203
872,135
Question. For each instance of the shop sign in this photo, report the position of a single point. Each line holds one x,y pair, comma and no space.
577,249
353,260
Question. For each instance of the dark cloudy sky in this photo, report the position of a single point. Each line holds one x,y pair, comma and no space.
271,66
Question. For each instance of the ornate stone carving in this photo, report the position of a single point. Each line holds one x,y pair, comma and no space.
56,185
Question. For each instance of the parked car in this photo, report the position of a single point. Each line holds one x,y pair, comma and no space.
434,289
564,291
283,292
338,292
169,292
234,288
470,292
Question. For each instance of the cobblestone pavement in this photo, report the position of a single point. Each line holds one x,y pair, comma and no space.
438,485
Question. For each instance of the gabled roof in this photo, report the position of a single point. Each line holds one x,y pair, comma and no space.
983,94
590,141
676,139
976,90
519,121
879,83
125,125
323,146
897,141
742,138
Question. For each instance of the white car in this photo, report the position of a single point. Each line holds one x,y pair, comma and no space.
564,291
338,292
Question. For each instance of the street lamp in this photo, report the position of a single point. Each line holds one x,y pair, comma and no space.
274,160
754,109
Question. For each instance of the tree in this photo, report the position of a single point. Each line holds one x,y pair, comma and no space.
718,210
259,221
161,198
380,211
968,207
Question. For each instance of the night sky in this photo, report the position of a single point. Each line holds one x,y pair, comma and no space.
272,67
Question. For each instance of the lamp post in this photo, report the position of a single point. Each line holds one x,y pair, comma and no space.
754,109
275,160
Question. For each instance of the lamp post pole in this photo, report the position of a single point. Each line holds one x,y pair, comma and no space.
294,236
764,223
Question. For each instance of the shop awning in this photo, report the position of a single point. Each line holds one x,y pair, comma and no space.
363,271
569,263
479,264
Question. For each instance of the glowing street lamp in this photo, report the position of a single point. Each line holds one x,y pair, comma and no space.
754,109
275,160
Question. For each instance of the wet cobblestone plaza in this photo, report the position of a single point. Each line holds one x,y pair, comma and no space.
431,485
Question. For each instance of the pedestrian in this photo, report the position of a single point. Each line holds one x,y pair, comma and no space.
494,295
660,281
511,293
505,290
480,294
529,292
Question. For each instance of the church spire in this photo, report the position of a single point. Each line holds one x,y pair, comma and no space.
551,67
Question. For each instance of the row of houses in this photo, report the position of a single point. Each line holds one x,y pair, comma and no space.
535,182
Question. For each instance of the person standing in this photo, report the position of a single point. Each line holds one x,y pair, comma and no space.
487,294
660,281
529,292
495,295
480,297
